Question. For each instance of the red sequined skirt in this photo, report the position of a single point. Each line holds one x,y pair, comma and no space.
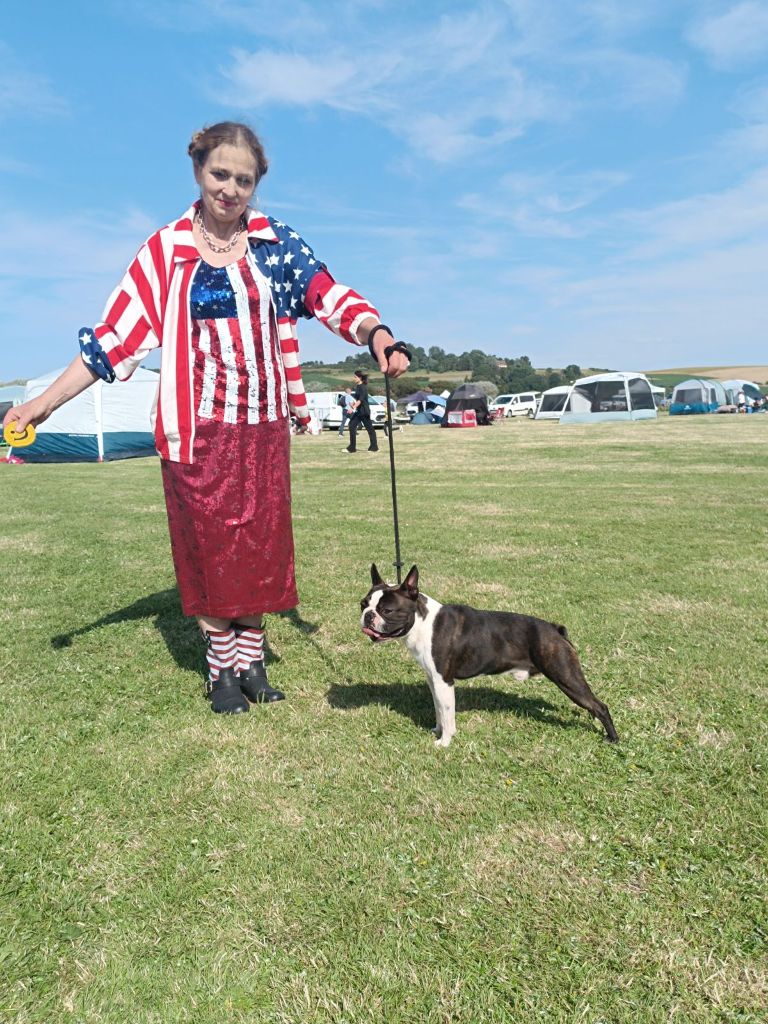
229,516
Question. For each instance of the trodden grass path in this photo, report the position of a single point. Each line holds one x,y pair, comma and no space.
321,861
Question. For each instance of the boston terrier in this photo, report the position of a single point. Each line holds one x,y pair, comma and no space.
454,641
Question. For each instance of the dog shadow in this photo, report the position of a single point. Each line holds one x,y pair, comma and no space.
179,632
414,701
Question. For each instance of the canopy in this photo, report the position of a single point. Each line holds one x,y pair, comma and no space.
417,396
107,421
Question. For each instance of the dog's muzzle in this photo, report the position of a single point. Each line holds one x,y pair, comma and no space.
376,635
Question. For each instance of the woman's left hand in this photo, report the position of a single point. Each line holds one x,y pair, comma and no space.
397,364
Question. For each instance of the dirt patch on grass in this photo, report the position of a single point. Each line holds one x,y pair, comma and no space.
28,543
526,852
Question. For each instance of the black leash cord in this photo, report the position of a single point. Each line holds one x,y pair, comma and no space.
396,346
390,431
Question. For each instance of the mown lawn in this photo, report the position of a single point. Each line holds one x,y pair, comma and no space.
321,861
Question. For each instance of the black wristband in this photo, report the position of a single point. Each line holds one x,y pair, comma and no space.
378,327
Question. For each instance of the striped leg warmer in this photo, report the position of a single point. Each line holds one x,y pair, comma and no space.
221,652
250,646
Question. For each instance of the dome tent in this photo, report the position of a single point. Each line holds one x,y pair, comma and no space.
609,396
468,397
105,422
697,395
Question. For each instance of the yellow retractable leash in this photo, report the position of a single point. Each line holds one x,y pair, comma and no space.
16,438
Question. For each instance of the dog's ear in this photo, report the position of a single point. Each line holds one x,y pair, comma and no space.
411,583
375,578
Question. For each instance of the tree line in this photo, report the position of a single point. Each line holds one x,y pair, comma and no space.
506,373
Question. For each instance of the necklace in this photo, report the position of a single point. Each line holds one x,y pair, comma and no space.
209,241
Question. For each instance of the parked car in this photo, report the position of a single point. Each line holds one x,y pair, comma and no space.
524,403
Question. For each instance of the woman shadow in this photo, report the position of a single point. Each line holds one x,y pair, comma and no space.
180,633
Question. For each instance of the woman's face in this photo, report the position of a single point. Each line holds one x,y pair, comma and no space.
227,180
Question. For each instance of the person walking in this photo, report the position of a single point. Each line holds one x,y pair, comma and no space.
219,292
361,415
347,403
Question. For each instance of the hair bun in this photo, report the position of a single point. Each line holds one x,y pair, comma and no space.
194,141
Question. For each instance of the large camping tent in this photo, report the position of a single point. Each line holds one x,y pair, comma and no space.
609,396
466,397
108,421
553,402
698,395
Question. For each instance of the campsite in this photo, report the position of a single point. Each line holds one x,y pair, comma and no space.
321,861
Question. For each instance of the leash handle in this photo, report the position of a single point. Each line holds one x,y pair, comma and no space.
398,560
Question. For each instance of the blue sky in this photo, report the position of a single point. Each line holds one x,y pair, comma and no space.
581,181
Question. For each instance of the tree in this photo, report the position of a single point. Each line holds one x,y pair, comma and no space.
571,372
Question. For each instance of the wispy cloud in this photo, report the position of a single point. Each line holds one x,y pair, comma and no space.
543,205
701,223
24,92
466,83
735,37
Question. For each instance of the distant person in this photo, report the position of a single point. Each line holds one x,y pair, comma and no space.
219,292
347,404
361,414
741,402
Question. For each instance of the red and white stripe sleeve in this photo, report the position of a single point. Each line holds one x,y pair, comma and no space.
131,323
289,350
340,308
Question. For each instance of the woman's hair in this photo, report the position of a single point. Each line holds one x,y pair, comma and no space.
362,376
227,133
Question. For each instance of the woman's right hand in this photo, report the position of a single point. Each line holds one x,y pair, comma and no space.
34,411
71,382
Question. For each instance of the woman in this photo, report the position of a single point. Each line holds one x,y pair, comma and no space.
219,291
361,414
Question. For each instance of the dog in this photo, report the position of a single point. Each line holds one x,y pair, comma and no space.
454,641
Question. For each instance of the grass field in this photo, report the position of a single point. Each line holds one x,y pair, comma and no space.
320,861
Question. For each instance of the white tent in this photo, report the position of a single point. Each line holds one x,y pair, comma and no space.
553,402
609,396
750,389
108,421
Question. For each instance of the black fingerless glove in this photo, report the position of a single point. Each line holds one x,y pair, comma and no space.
397,346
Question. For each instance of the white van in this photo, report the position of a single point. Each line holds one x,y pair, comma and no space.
325,406
524,403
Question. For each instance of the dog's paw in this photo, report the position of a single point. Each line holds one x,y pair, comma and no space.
444,740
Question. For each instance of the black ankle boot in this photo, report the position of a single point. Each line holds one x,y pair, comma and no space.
253,683
225,694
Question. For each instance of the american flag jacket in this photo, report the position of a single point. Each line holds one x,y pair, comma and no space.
150,309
